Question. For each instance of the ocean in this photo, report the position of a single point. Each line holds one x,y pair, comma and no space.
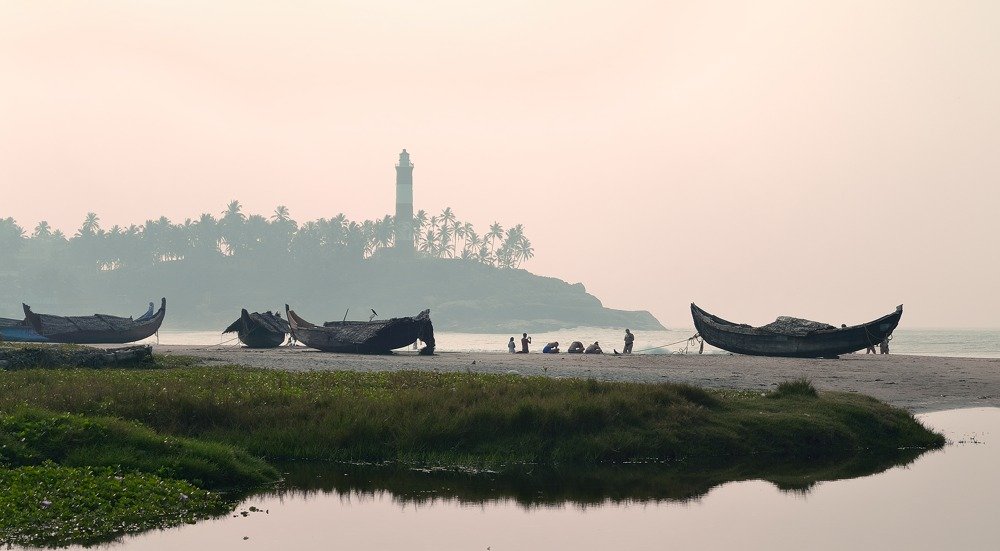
970,343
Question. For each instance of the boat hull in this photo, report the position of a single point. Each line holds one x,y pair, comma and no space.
18,331
259,330
96,329
358,337
825,343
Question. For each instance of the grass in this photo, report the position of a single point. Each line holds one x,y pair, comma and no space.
472,419
129,448
50,505
34,437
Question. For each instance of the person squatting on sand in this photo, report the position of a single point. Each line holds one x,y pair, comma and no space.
594,349
576,347
551,348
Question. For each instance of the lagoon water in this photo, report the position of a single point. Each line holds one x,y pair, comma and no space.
924,342
944,499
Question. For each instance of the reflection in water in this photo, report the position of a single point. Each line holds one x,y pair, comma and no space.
943,499
536,485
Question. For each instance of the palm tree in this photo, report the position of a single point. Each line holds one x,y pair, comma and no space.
231,227
472,243
495,234
280,214
524,250
419,221
91,225
11,235
384,232
42,230
426,244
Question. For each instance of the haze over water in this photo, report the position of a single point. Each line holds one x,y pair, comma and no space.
826,159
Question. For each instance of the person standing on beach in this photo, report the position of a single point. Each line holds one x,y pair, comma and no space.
511,347
629,339
525,341
883,346
870,349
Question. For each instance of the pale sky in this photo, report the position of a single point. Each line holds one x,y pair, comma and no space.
826,159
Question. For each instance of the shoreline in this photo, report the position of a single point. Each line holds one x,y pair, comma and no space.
918,384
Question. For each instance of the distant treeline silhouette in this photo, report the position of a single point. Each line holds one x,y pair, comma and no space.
277,238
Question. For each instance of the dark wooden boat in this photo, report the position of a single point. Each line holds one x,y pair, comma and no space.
792,337
12,330
258,330
364,337
96,329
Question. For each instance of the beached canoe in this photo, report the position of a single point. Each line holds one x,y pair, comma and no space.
258,330
95,329
792,337
12,330
364,337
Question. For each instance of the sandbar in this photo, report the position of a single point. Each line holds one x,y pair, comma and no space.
916,383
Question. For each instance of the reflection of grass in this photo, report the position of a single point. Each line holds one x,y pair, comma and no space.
538,485
472,419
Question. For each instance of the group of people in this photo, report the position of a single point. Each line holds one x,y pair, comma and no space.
575,348
883,347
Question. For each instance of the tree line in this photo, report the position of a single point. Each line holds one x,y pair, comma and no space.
256,237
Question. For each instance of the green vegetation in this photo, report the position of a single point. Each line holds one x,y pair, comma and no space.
49,505
35,437
472,419
133,449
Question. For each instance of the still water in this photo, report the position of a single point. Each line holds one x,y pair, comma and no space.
943,499
925,342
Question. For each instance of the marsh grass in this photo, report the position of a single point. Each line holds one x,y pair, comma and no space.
34,437
471,419
798,387
51,505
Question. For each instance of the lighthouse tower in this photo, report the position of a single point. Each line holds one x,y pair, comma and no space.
404,204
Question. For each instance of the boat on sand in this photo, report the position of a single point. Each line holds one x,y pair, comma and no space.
364,337
12,330
95,329
792,337
258,330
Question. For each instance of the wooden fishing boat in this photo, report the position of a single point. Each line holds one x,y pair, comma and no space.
364,337
258,330
792,337
12,330
95,329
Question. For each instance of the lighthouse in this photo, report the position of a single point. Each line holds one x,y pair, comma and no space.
404,204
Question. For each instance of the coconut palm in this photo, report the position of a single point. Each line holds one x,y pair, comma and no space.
42,230
91,225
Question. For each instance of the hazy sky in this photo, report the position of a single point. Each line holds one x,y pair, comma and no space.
823,159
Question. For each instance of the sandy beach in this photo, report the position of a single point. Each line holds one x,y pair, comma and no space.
917,383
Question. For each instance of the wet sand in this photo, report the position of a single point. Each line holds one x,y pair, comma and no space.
917,383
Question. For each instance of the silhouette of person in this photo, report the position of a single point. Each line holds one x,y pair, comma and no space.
511,346
594,349
629,339
576,347
525,341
